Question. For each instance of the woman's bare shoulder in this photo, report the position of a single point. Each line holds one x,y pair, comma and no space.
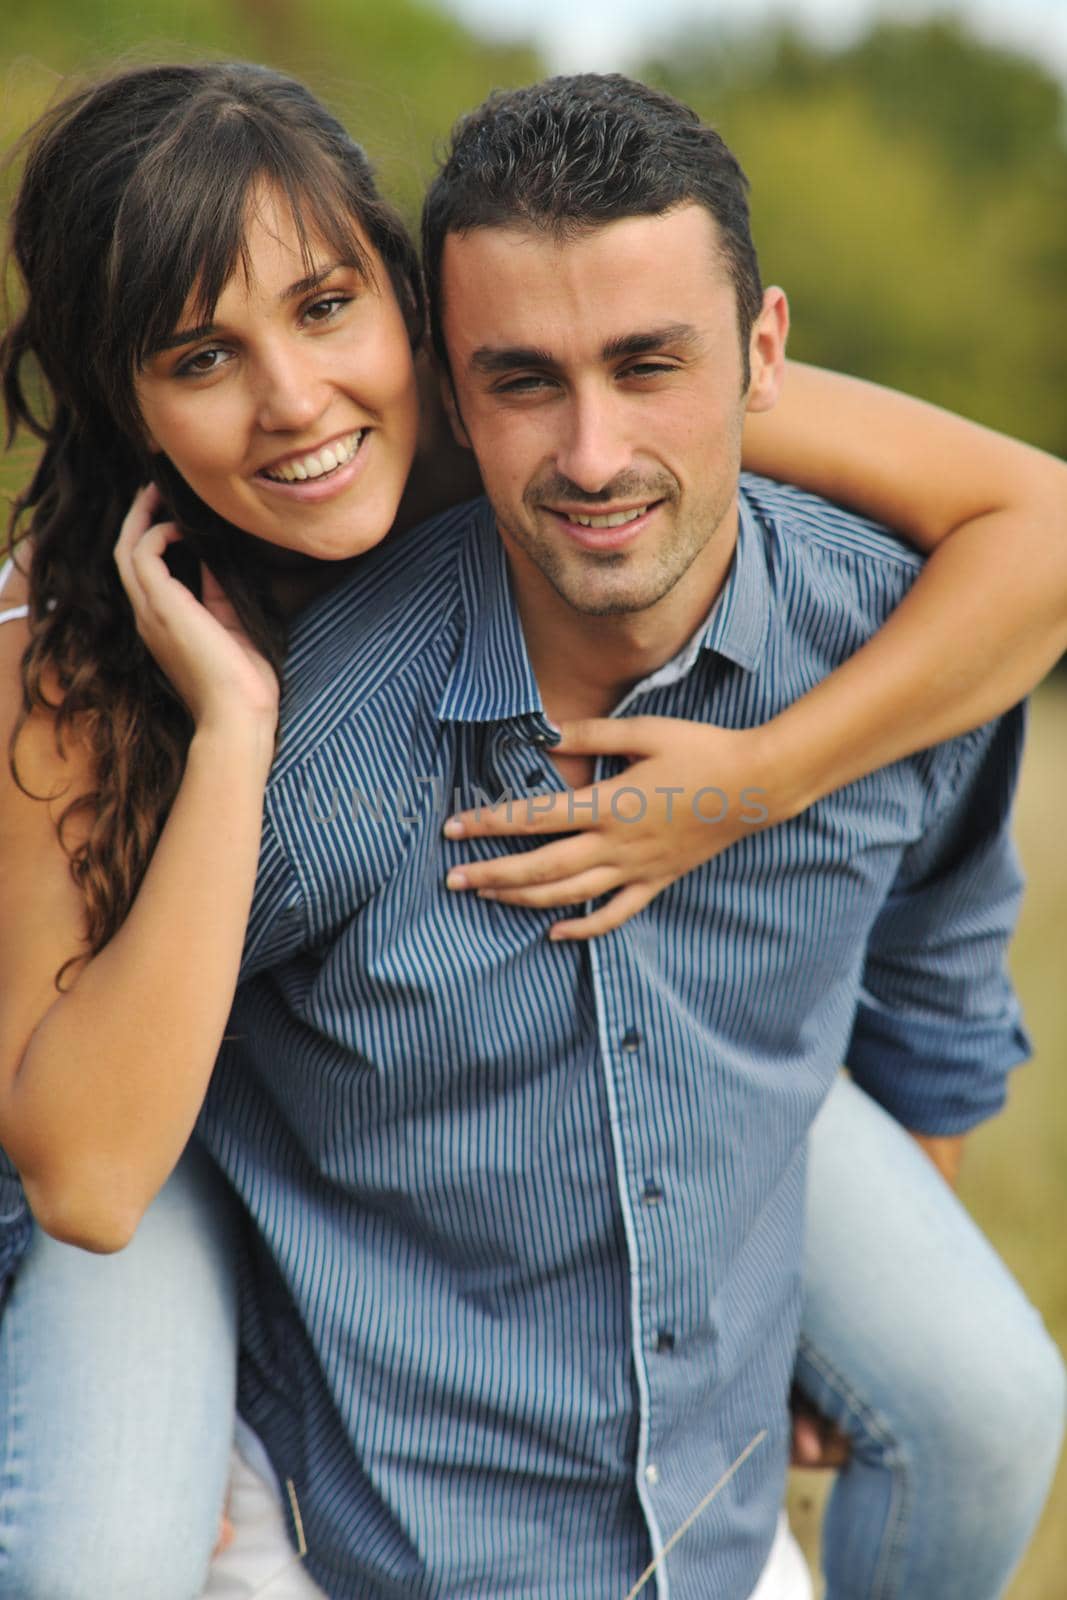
42,913
48,773
43,766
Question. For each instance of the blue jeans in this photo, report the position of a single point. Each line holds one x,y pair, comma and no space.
116,1389
919,1343
117,1378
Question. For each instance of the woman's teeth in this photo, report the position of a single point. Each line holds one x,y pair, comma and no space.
317,463
616,519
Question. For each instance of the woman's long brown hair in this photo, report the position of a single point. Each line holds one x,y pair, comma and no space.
133,200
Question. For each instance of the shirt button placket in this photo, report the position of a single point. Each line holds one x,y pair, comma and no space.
652,1195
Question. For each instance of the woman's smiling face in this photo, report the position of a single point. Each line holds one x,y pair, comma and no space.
293,412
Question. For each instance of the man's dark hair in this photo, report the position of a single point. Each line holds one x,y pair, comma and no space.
576,152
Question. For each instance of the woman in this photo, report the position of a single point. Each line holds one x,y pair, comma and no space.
134,731
209,233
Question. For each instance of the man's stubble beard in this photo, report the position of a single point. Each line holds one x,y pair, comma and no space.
690,539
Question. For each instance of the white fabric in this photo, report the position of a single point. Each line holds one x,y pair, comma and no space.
13,611
786,1575
262,1562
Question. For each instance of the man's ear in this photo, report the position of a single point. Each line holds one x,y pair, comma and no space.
447,392
766,351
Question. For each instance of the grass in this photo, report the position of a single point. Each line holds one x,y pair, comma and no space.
1015,1174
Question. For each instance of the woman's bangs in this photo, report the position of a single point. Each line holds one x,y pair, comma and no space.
174,255
322,212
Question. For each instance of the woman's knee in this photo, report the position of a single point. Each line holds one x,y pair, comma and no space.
1011,1401
116,1406
108,1563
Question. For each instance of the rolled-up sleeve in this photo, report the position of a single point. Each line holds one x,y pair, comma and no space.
938,1027
15,1222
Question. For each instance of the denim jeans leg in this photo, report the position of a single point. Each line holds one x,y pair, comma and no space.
117,1377
918,1341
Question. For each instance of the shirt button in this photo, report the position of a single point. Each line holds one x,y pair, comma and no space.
539,738
652,1194
630,1041
534,777
664,1341
652,1474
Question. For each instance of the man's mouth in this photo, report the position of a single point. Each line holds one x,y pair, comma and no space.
612,519
606,530
317,463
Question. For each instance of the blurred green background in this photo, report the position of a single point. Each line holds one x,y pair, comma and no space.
910,193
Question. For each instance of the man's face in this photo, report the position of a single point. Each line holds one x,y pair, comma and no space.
598,380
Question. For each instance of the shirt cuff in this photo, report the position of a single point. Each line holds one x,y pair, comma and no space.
936,1077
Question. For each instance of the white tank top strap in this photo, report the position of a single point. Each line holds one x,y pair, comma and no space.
13,611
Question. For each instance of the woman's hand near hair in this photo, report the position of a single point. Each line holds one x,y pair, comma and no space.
100,1084
985,620
199,644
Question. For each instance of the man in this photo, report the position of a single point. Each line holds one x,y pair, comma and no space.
524,1280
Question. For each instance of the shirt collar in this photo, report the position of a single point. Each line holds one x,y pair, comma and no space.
492,680
739,622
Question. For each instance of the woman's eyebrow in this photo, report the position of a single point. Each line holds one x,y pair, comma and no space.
183,336
312,281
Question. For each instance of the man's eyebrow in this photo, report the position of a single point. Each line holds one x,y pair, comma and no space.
293,292
671,335
490,358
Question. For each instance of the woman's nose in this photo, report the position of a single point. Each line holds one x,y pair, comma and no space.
291,393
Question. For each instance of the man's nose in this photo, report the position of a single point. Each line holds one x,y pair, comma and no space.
596,444
290,391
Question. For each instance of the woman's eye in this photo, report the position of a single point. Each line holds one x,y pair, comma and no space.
201,362
329,306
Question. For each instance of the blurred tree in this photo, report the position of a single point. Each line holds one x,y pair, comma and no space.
990,113
397,74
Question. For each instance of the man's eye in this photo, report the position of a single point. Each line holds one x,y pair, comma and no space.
648,369
529,383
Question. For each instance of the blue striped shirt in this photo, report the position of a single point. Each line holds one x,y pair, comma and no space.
525,1265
